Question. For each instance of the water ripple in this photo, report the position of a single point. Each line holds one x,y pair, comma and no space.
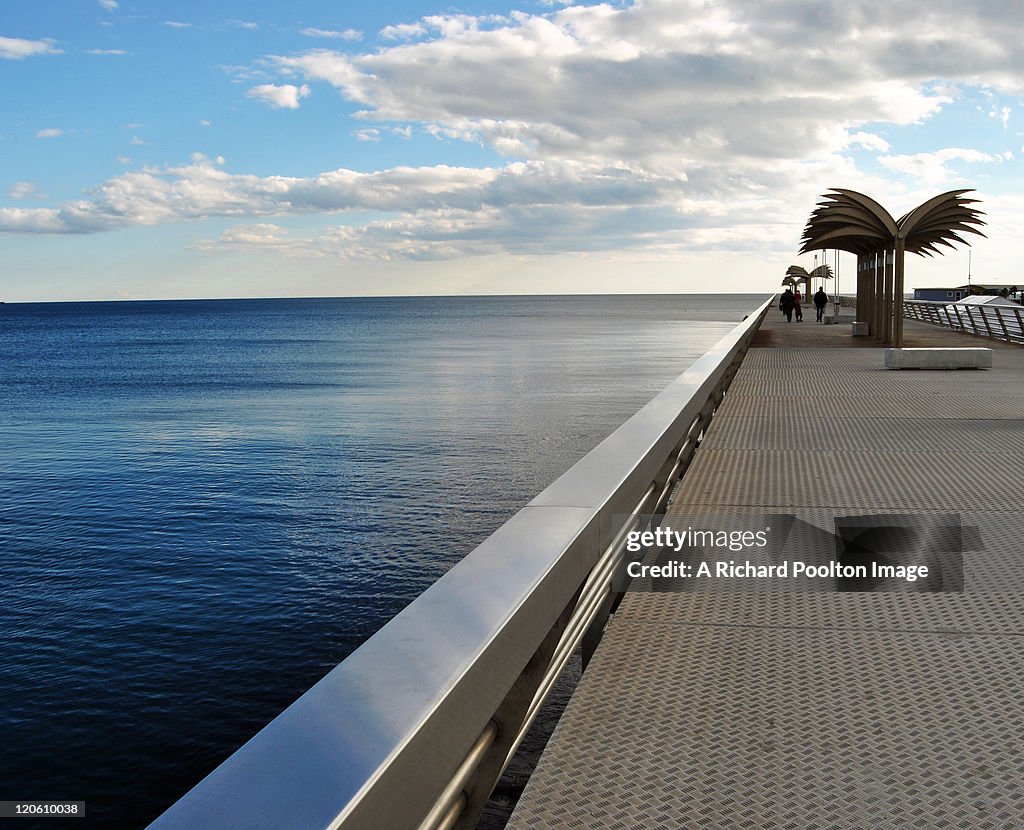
204,506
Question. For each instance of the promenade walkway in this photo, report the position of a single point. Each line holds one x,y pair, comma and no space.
756,707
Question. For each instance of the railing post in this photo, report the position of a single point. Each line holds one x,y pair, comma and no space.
510,719
959,319
974,326
945,313
1002,322
984,316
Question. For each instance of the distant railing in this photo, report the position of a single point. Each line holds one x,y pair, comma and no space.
1001,322
412,731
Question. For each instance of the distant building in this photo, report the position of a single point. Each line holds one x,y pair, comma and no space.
941,294
947,295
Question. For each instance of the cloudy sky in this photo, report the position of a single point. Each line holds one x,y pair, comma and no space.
155,149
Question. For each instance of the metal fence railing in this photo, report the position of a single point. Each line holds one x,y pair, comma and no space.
414,728
1002,322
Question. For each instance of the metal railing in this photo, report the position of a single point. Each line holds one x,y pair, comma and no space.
1001,322
416,726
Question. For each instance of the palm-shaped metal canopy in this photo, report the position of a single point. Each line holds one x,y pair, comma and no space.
937,221
850,221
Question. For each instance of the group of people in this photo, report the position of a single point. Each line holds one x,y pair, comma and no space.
791,301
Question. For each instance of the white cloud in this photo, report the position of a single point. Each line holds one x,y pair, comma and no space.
109,5
107,52
201,189
14,48
749,110
343,34
25,190
679,82
869,141
50,132
203,159
262,234
1002,114
286,96
542,230
662,126
177,24
669,88
523,206
30,220
934,168
402,31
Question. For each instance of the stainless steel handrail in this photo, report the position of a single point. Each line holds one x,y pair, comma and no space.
415,727
998,322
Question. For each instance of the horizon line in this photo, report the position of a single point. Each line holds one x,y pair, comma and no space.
388,297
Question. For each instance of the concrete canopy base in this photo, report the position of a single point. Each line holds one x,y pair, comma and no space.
945,358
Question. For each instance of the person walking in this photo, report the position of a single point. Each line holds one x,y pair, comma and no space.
820,301
786,304
797,307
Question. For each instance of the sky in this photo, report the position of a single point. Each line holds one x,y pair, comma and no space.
184,149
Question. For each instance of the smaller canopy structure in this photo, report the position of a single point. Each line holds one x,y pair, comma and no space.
797,274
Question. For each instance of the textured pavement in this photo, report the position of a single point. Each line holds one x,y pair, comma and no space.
757,706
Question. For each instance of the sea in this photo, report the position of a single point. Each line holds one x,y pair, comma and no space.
206,505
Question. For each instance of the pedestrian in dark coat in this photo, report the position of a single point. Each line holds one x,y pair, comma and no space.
820,301
786,304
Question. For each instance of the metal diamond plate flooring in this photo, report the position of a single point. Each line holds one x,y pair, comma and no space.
816,434
762,707
710,727
851,479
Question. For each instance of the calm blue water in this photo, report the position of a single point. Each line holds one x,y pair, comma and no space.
205,505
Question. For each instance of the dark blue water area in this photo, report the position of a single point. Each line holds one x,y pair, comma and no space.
205,505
